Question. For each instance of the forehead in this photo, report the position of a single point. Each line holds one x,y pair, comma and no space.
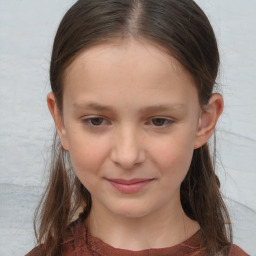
124,54
126,68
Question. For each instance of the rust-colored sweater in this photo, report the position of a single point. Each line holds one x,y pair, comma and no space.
78,242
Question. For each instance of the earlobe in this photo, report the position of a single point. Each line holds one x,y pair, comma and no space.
208,119
58,120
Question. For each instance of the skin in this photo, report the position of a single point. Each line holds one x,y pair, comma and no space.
132,139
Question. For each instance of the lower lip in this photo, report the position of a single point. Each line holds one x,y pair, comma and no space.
130,188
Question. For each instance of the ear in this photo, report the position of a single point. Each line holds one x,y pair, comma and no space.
208,119
58,120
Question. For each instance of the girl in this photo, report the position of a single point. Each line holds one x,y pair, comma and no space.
133,104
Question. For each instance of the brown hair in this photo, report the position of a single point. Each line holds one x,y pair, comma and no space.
184,31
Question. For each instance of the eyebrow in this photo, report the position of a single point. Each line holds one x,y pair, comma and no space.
106,108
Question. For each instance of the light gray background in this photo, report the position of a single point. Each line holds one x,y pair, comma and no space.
27,29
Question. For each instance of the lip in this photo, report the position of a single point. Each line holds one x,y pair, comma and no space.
129,186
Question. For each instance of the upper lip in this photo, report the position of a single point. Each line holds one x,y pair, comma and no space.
128,182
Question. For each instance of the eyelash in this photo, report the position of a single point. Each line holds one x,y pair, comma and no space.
88,122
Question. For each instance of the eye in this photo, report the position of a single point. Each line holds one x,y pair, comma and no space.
94,121
159,121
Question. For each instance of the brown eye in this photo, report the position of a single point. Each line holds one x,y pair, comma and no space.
94,121
160,121
97,121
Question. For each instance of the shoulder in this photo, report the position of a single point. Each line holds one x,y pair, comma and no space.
74,231
35,252
237,251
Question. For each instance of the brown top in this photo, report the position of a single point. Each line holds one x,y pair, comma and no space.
78,242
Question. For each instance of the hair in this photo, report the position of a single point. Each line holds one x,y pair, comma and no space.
184,31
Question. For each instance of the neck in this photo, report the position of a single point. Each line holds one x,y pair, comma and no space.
165,227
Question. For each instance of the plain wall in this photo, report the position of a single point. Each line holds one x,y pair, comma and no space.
27,29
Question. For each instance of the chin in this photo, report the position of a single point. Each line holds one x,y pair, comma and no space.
131,210
131,214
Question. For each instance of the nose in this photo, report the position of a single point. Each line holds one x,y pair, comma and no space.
127,150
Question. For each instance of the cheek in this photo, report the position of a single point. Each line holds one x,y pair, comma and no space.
87,154
173,156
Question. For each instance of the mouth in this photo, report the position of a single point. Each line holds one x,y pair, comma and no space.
129,186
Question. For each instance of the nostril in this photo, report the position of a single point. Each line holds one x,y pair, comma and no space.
128,159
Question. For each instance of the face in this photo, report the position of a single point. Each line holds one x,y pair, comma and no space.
131,118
